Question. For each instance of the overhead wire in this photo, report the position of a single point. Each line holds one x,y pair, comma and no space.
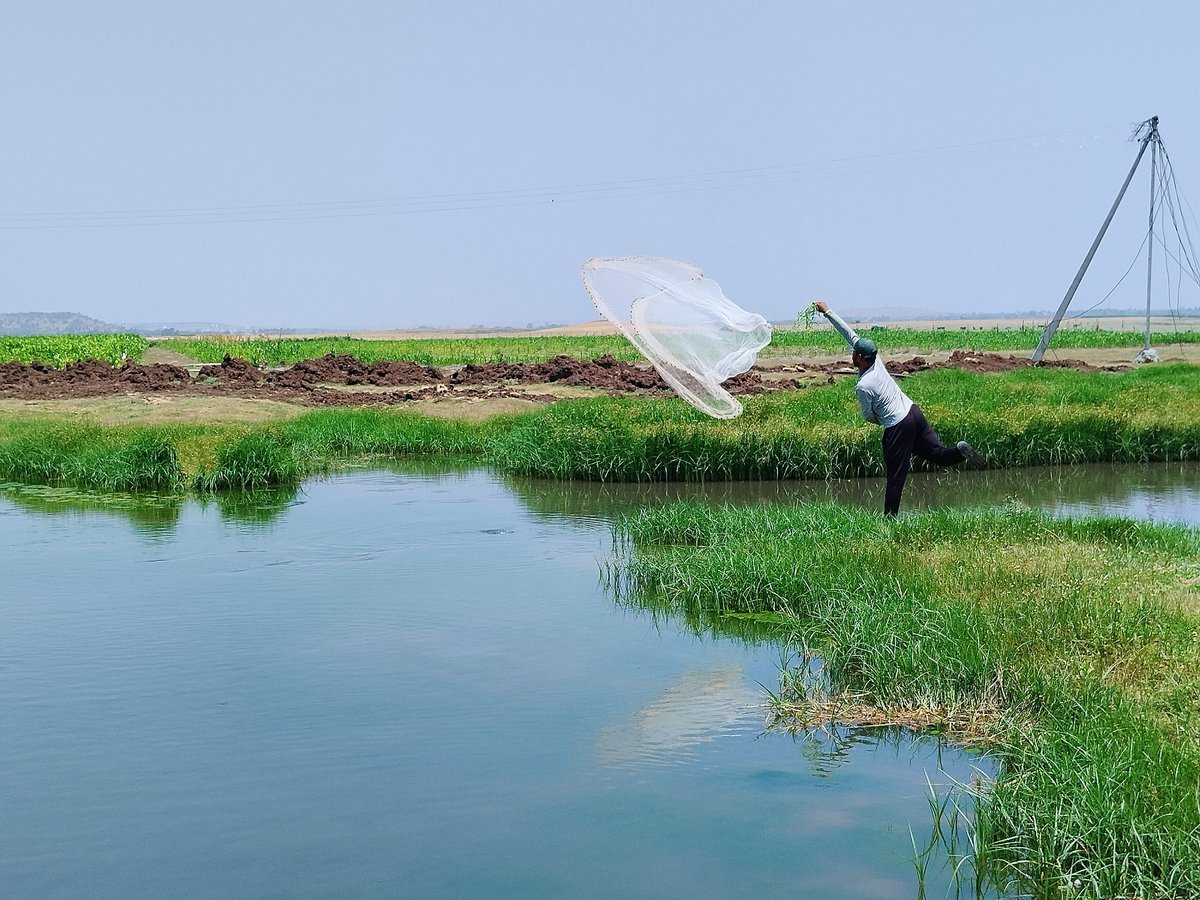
569,193
1164,195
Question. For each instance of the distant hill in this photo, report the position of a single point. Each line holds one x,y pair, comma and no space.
28,323
34,323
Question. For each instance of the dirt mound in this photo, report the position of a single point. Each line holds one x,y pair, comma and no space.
87,378
341,368
231,371
324,381
605,373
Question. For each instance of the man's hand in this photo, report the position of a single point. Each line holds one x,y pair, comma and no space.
821,306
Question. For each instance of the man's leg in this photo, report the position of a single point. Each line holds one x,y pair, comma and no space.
927,444
897,453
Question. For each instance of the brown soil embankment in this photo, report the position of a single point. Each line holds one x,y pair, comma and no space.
341,380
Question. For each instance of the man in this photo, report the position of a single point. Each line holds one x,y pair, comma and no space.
905,430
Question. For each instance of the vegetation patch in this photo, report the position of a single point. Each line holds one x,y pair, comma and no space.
423,351
1069,647
60,350
482,350
1021,418
88,456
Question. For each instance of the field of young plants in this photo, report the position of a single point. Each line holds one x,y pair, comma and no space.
57,351
443,351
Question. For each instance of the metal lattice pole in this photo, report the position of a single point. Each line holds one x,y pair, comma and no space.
1052,326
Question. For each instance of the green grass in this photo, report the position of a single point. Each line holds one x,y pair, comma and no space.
58,351
87,456
425,351
1023,418
1029,417
994,339
1080,638
451,351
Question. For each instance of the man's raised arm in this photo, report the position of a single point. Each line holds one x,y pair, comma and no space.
836,321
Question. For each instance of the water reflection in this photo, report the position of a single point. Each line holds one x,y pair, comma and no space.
699,706
1164,492
150,514
261,507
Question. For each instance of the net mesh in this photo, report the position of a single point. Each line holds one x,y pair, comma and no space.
681,322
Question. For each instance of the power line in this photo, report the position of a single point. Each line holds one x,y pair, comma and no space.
420,204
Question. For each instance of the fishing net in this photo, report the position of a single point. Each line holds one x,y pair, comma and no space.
692,333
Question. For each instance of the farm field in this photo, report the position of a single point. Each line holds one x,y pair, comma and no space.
590,341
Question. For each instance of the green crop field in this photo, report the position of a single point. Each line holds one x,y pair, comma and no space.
446,351
58,351
424,351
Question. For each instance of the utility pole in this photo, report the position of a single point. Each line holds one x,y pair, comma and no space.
1148,354
1151,126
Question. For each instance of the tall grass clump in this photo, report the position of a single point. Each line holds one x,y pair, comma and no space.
283,455
1051,417
1023,418
610,439
257,460
87,456
1068,647
380,432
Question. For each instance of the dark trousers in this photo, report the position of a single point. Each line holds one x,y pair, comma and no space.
910,435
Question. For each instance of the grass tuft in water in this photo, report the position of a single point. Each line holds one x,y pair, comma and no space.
258,460
1069,647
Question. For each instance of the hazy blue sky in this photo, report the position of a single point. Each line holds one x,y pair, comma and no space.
392,164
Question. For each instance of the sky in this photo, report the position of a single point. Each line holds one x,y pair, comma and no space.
372,165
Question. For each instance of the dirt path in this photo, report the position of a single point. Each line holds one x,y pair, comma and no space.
156,354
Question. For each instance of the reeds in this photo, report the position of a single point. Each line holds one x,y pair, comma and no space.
87,456
1024,418
1069,646
1033,417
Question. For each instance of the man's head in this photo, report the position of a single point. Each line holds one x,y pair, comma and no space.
864,354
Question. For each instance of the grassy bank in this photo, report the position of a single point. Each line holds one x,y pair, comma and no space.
1069,647
1030,417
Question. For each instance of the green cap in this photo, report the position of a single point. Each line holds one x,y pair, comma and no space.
865,347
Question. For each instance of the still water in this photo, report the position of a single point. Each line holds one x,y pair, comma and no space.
404,684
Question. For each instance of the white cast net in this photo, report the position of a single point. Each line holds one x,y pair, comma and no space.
680,321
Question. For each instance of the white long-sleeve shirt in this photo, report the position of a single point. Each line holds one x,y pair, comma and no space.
879,397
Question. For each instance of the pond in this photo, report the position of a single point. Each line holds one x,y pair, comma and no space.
397,683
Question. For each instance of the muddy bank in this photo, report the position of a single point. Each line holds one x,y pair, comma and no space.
342,380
